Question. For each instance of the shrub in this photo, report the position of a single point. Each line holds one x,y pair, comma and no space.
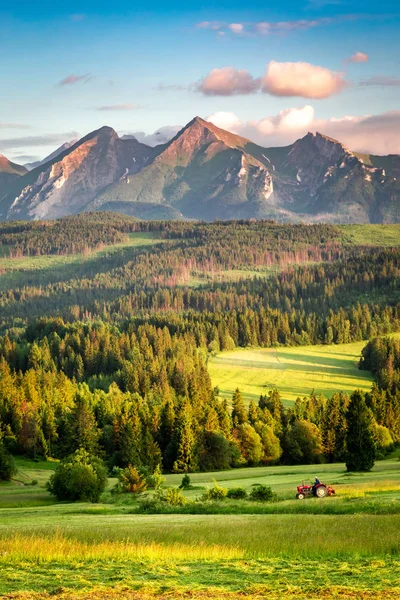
131,481
185,483
262,493
156,479
217,492
79,477
7,464
171,496
237,493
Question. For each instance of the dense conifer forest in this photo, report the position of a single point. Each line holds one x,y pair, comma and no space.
109,352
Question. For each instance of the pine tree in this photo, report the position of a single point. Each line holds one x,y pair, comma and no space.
359,439
239,413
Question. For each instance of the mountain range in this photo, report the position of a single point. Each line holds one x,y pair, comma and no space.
207,173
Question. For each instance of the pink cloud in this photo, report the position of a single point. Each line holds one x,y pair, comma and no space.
72,79
381,80
228,81
301,79
358,57
378,134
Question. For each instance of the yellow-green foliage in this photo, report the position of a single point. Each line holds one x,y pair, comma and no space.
294,371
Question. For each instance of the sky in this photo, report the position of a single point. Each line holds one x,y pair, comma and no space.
271,72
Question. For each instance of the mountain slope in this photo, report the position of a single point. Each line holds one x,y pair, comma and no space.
205,172
60,150
64,185
9,172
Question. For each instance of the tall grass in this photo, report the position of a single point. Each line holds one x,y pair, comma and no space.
205,536
58,548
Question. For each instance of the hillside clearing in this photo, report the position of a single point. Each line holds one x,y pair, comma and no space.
295,371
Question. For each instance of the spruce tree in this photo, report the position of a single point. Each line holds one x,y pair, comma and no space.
239,412
359,438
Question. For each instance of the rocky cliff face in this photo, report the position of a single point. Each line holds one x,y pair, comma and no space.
205,172
64,185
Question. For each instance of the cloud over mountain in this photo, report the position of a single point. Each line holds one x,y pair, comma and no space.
379,134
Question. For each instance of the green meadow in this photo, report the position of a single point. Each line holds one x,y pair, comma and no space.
294,371
31,270
371,235
348,545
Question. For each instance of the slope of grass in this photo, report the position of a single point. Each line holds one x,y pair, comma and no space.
72,551
34,270
371,235
294,371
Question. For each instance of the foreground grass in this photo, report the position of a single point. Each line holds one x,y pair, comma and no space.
105,551
212,557
255,536
294,371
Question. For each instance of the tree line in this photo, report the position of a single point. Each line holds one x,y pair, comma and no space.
143,397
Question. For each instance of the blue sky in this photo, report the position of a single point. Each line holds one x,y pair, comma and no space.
142,67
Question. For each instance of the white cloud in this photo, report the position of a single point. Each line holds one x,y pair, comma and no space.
122,107
237,28
301,79
161,136
37,140
282,27
14,126
379,134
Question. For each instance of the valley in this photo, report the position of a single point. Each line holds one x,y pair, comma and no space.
190,376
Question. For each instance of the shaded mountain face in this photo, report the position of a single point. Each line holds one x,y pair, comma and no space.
205,173
9,173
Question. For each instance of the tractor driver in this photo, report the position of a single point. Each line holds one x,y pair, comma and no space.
316,482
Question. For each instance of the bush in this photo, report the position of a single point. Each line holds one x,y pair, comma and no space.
185,483
237,493
156,479
79,477
262,493
171,496
131,481
217,492
7,464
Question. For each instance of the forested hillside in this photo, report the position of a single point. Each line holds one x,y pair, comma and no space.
106,346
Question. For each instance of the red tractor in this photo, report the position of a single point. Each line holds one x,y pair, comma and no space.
320,490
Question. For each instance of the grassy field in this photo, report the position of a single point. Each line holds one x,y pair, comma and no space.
71,551
371,235
294,371
34,270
